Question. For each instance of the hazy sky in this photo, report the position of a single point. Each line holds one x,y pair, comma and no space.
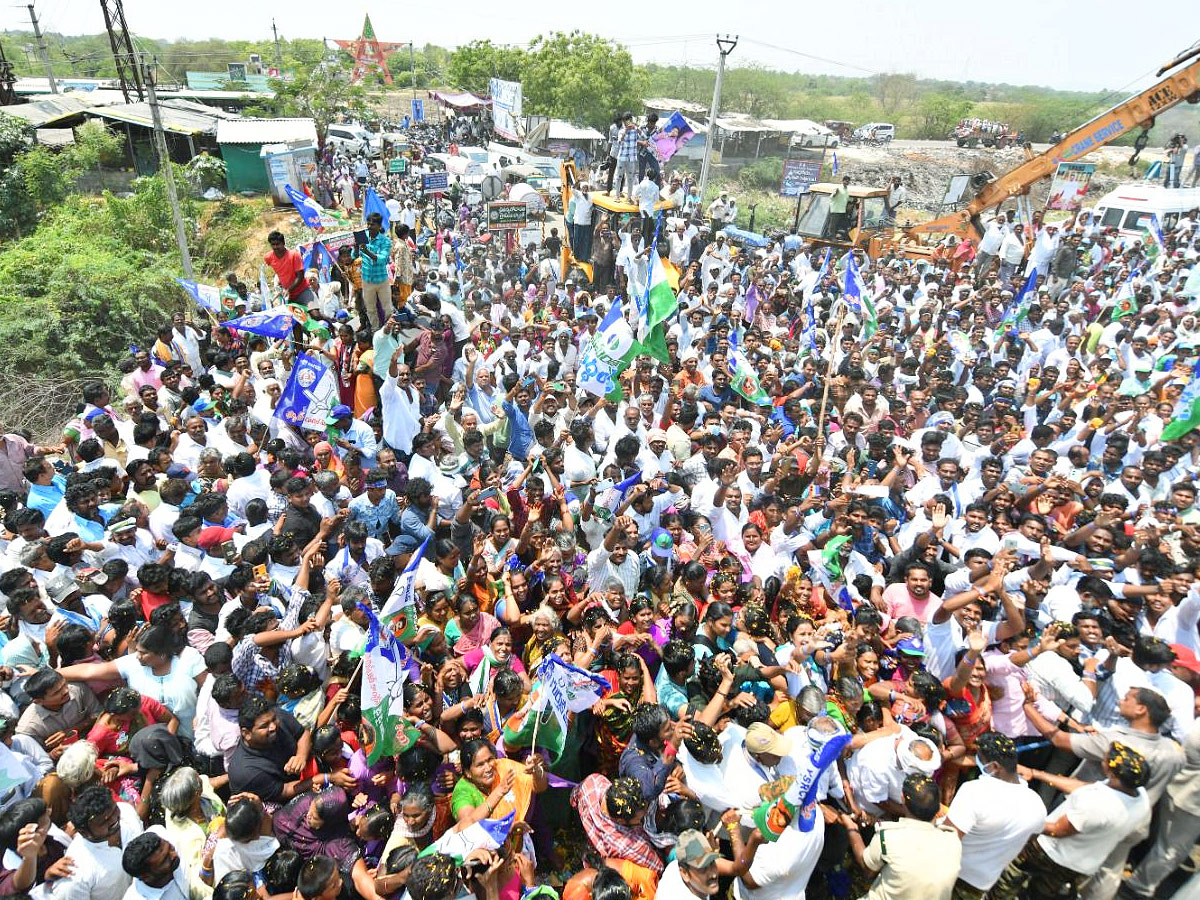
1014,41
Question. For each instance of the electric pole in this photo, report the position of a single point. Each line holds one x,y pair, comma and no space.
278,52
412,69
42,51
725,45
164,164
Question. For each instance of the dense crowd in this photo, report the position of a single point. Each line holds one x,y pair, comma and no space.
910,610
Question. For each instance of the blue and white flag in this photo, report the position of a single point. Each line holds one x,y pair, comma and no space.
1019,308
463,840
566,688
607,353
310,393
310,210
373,203
404,594
821,273
835,164
852,284
205,295
274,323
1156,232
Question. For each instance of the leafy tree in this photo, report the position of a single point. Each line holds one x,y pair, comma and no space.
323,94
895,91
938,113
473,65
50,175
18,214
580,77
756,91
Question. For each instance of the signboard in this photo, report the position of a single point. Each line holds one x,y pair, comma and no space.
956,190
398,165
418,110
507,215
237,71
530,236
435,182
506,107
798,176
1070,186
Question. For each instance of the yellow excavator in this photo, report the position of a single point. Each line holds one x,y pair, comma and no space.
1139,111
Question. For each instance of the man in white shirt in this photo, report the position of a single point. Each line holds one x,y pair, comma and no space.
989,246
153,863
103,829
994,815
1012,252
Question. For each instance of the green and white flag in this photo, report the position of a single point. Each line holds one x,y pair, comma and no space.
743,378
384,671
608,353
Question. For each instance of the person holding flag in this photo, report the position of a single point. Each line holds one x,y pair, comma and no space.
375,253
289,269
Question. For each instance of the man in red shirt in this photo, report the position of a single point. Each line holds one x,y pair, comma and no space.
289,267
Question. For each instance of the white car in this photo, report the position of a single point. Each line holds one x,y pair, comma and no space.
354,139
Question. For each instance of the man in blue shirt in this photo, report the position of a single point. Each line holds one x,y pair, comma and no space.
376,285
520,432
377,508
45,485
718,394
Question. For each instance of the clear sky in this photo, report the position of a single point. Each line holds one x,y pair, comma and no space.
1098,44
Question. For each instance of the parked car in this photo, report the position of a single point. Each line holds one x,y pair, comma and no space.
354,139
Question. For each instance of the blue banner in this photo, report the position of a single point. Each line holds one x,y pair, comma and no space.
309,395
273,323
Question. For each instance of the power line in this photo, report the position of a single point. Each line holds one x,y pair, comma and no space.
823,59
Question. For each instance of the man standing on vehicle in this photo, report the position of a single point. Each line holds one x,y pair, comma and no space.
627,159
376,283
989,246
896,196
839,202
1012,254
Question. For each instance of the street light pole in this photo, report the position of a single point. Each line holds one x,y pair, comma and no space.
725,45
164,165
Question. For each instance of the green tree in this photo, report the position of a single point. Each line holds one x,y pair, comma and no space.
323,94
473,65
18,213
938,113
756,91
580,77
895,91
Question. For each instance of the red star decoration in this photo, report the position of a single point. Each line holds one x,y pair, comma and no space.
369,52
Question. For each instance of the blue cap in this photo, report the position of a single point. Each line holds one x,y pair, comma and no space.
912,646
340,411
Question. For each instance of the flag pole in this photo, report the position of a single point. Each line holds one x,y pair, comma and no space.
349,685
833,339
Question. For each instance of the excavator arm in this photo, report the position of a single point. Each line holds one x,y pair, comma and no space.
1136,112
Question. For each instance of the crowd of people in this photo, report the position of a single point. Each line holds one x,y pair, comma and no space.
923,587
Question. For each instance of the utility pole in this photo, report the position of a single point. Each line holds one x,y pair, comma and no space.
164,163
725,45
42,51
412,69
278,52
